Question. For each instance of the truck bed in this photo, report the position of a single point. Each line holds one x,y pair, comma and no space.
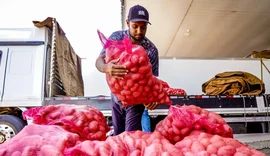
225,105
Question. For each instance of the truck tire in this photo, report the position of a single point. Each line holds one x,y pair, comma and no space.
9,127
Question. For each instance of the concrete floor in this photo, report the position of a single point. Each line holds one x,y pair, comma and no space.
259,141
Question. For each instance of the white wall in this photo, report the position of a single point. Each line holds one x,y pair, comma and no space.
188,74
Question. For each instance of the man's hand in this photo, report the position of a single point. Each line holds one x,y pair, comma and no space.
151,106
117,71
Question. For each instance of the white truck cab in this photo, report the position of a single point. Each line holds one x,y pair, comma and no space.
23,54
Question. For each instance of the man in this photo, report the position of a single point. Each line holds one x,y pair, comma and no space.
129,118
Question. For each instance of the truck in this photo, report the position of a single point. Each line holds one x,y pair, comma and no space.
39,67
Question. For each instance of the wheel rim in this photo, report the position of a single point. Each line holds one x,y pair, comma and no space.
6,132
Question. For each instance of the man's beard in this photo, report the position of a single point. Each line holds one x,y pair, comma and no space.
138,40
135,38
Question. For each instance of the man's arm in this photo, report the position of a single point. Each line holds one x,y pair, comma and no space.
100,63
111,68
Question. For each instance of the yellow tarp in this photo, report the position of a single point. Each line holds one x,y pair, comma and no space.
234,83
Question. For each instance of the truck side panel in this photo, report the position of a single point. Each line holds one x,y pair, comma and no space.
24,74
3,58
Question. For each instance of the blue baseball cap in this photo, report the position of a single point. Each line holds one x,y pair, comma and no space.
138,13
